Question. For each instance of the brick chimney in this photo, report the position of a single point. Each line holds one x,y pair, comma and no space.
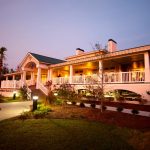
79,51
112,45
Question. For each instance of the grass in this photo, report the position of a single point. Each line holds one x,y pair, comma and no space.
9,99
63,134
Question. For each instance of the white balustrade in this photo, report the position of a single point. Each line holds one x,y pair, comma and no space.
119,77
113,77
11,84
78,79
60,80
134,76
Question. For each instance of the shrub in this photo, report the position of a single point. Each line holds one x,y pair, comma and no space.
82,105
73,103
59,101
23,92
41,111
134,111
42,107
104,107
119,109
67,92
25,115
39,114
93,105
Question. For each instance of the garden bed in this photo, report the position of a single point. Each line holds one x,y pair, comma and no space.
109,117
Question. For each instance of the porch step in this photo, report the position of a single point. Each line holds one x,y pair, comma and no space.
37,92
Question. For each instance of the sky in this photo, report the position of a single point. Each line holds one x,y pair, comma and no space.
55,28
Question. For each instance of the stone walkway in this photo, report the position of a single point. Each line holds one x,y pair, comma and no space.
9,110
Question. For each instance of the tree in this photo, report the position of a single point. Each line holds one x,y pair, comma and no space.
98,90
2,57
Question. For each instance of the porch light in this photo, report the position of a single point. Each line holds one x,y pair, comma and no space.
35,98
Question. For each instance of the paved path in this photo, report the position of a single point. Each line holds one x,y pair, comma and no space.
9,110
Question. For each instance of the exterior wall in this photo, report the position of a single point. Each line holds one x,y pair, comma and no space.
137,88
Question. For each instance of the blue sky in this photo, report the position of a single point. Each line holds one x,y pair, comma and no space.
57,27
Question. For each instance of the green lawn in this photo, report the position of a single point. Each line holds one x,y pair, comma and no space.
10,99
60,134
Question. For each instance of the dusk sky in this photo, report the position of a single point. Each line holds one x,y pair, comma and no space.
55,28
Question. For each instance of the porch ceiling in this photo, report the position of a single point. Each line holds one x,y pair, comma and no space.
123,60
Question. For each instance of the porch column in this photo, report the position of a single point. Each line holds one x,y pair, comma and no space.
13,77
6,78
24,77
32,78
147,66
71,74
50,74
38,78
14,82
100,76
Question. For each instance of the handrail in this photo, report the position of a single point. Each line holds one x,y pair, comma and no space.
29,93
43,88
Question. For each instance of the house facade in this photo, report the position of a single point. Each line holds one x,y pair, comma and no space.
127,69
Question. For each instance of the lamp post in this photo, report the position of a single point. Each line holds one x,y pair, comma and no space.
35,98
14,95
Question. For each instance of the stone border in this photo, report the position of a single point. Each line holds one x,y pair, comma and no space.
128,111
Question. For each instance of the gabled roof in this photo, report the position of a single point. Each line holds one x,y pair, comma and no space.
46,59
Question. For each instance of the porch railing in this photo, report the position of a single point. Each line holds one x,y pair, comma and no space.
11,84
119,77
60,80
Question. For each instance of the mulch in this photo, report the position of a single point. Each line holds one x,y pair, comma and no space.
109,117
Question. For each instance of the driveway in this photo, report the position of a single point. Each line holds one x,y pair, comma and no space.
9,110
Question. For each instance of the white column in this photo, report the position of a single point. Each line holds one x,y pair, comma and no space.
38,78
71,74
32,78
50,74
14,82
6,78
13,77
24,77
100,76
147,66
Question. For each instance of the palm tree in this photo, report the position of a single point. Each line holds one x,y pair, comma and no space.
2,57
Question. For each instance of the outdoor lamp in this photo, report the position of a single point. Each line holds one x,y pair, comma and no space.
35,98
56,94
14,94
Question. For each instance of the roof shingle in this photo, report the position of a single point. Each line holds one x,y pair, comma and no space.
46,59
